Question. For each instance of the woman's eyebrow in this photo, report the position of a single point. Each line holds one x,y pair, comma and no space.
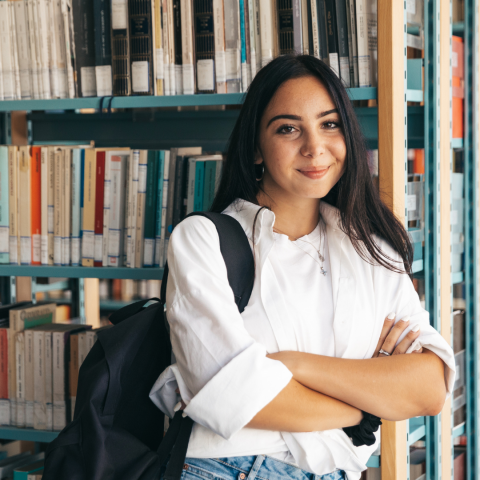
297,117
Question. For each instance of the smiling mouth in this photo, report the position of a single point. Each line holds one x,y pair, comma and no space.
315,174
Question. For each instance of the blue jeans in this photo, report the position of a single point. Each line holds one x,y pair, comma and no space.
259,467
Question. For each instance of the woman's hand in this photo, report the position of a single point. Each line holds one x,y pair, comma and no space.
391,332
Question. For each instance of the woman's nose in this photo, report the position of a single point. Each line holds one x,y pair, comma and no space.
313,145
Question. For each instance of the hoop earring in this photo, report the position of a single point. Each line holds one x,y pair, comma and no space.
261,174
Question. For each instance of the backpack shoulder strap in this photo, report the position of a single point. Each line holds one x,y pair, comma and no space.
237,254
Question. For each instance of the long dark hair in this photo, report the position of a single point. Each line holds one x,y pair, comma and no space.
362,212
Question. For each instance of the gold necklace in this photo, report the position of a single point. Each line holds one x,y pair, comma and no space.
320,256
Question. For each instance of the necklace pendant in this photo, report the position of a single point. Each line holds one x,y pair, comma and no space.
324,272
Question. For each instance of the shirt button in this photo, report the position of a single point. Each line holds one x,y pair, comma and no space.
242,476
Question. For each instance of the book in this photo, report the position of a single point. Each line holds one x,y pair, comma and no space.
171,46
244,48
58,216
151,205
29,382
51,204
342,35
352,43
24,205
140,208
23,473
233,46
266,31
19,346
161,214
132,208
99,199
322,31
188,47
88,222
285,30
73,369
364,74
103,47
44,37
219,37
13,171
76,209
9,90
4,380
58,73
126,213
120,48
179,39
8,465
167,88
67,206
332,36
372,40
4,208
13,42
44,205
159,70
84,42
306,31
23,49
106,208
141,48
179,189
36,204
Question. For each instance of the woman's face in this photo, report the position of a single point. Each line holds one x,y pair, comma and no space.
301,142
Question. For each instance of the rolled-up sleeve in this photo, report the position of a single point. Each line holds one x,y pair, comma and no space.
223,374
401,293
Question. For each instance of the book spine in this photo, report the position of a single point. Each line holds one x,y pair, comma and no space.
39,405
204,45
103,47
20,378
44,46
126,233
106,207
233,46
304,9
33,49
82,198
13,165
247,43
133,208
171,48
165,200
285,26
52,48
342,35
73,368
178,191
315,38
29,382
24,212
253,42
140,210
84,47
166,49
12,382
158,35
209,184
219,38
118,174
44,206
297,27
199,183
36,204
99,198
322,31
191,185
60,67
6,52
266,31
352,43
243,46
48,380
23,49
150,207
14,43
37,50
178,41
188,47
76,211
4,208
88,223
218,175
67,207
51,203
171,193
160,206
372,40
362,44
332,37
120,48
141,57
4,398
58,211
60,377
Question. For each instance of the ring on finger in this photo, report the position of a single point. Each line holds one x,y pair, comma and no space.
384,352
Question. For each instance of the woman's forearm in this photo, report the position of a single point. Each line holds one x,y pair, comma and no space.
297,408
393,388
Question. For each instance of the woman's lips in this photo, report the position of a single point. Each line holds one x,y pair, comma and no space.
314,174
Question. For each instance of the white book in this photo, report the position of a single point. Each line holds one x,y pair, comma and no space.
69,46
166,51
266,31
372,40
160,246
82,348
58,380
116,221
219,34
6,52
33,49
106,206
23,49
44,205
58,207
14,47
364,75
39,406
352,37
171,47
133,208
58,70
315,33
48,380
29,382
232,46
91,339
44,34
188,47
1,75
253,37
20,377
67,206
140,208
126,210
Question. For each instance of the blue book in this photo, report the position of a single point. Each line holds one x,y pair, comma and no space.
82,181
77,193
243,52
199,180
4,211
160,207
209,184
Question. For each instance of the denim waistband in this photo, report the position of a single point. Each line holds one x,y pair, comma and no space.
254,467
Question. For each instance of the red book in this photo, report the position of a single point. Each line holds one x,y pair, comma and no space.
99,193
3,364
36,203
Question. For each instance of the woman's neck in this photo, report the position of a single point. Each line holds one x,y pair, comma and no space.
294,217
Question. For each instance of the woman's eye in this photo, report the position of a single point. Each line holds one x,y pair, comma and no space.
331,125
286,129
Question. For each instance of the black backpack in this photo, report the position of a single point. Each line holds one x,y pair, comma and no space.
117,431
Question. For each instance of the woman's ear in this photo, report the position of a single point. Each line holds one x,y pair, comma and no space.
258,157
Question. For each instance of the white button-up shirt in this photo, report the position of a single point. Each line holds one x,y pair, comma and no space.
221,366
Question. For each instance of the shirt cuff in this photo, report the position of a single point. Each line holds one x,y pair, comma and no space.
231,398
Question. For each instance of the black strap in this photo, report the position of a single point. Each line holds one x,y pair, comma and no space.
179,451
130,310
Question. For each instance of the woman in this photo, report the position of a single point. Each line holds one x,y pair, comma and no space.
271,390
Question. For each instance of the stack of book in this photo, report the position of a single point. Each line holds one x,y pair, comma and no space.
39,364
126,290
84,48
98,206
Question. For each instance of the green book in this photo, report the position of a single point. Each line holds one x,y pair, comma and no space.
150,208
209,185
21,473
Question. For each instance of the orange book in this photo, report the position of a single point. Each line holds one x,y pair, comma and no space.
457,117
419,161
36,204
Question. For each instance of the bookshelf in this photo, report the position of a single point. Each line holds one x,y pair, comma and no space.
392,127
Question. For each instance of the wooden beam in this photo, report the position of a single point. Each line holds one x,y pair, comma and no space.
445,235
391,165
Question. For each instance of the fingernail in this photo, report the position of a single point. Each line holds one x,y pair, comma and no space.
177,407
415,328
418,349
406,319
391,316
184,414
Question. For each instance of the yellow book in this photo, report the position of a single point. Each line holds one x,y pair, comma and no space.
13,203
88,239
24,210
158,57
